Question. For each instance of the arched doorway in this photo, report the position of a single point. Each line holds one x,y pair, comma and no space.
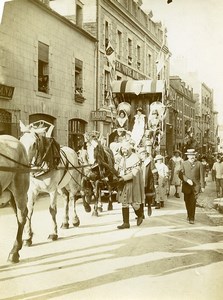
43,120
5,122
76,133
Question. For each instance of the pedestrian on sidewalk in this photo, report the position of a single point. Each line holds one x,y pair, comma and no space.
130,185
150,176
163,173
175,165
218,171
192,176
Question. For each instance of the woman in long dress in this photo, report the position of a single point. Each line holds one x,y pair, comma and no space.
138,127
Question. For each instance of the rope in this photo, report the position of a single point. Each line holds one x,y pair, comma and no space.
11,159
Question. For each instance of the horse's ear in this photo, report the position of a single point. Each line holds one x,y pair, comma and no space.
23,127
41,131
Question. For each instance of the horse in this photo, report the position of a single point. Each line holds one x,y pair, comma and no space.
101,174
14,177
54,169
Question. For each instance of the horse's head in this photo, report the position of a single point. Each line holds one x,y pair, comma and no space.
31,139
91,151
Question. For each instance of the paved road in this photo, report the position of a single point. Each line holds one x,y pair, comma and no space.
165,258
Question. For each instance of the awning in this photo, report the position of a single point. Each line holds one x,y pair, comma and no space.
138,86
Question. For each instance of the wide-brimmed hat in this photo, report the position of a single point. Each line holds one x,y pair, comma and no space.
158,157
191,152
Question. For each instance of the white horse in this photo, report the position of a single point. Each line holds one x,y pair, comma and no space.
56,170
14,177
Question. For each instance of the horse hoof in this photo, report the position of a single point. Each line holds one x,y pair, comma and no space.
87,208
53,237
64,226
100,209
110,206
77,223
95,214
13,258
27,243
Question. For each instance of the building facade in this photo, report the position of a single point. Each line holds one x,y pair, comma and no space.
130,47
182,106
48,68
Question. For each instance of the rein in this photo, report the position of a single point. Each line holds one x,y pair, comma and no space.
11,159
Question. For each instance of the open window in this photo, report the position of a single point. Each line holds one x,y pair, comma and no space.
43,68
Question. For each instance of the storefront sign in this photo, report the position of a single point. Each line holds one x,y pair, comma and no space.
6,92
128,71
98,115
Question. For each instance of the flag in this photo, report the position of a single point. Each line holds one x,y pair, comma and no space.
161,60
109,50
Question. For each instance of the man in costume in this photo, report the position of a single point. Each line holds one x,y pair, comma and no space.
130,186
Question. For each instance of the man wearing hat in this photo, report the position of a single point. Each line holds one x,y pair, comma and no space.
175,165
131,186
192,177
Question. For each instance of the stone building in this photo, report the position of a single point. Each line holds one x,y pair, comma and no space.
47,71
131,46
181,133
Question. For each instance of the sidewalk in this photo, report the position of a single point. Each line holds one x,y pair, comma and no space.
208,201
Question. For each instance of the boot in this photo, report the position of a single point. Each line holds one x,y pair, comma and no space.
158,206
139,214
125,216
161,203
149,209
142,210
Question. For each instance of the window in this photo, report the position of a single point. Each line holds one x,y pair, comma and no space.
76,128
138,53
79,80
106,87
129,51
106,34
119,44
43,68
149,66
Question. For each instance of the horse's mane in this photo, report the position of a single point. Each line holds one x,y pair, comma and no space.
49,152
105,158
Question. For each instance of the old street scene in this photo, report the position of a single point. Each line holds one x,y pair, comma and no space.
111,149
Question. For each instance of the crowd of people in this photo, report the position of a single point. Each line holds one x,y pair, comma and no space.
145,176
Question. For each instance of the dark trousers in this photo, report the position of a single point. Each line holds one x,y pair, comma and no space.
190,203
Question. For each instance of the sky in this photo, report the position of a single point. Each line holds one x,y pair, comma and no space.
194,32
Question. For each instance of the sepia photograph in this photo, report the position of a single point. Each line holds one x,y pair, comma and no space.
111,149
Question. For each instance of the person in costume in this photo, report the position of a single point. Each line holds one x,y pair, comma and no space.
130,185
139,126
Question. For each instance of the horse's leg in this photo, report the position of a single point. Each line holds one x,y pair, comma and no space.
21,213
85,195
110,205
65,195
76,220
28,233
53,211
96,195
